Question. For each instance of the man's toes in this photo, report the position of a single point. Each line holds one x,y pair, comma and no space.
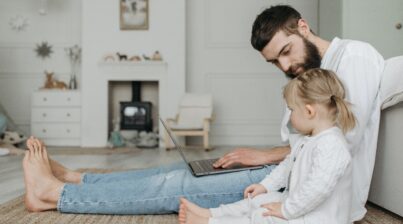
35,147
30,144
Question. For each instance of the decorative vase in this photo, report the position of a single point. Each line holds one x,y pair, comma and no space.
73,82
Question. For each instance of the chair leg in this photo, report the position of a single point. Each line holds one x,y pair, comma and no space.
168,145
206,141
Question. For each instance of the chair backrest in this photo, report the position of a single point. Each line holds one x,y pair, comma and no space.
193,109
391,90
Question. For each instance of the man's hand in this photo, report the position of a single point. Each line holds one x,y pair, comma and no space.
253,190
242,156
273,209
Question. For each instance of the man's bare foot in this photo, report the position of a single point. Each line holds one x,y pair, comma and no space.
42,188
59,171
190,213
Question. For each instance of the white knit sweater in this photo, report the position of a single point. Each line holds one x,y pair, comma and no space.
319,187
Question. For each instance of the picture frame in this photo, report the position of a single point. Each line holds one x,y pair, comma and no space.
134,14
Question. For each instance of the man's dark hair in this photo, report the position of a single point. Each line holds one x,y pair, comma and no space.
272,20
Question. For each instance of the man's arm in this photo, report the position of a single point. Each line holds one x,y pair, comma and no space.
253,157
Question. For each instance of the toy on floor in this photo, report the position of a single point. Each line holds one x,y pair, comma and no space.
12,137
116,139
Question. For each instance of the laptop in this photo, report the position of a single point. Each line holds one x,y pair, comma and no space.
204,167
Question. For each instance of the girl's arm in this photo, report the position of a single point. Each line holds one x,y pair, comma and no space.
278,177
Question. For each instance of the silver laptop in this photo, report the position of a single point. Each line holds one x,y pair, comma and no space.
204,167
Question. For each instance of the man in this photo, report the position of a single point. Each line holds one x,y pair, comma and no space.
284,39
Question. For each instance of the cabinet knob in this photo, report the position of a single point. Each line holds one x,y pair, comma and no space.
68,115
44,130
68,130
45,99
398,26
44,115
68,99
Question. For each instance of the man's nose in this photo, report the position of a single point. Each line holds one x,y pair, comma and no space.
285,64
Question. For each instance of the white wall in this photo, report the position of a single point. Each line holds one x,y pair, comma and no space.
371,21
247,91
330,19
101,34
21,71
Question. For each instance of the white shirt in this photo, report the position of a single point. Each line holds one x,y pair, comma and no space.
320,179
359,66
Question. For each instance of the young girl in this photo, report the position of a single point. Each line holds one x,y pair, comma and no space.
317,173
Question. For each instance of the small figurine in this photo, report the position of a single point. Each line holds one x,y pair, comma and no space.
157,56
109,57
52,83
146,57
122,56
135,58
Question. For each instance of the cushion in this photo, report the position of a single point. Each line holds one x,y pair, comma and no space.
391,90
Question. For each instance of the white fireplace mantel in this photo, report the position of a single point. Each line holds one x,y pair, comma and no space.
132,71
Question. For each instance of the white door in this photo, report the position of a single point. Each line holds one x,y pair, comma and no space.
247,91
376,22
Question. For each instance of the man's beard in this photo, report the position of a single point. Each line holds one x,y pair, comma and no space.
312,58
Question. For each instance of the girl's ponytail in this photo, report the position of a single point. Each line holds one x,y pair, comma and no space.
345,118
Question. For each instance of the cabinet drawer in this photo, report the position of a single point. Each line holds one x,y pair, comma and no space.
59,130
46,114
56,98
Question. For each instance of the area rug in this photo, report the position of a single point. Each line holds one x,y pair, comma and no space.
14,212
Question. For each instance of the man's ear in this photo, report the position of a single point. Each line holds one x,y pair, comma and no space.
303,28
311,111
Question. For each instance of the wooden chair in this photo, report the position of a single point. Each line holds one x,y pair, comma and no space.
193,119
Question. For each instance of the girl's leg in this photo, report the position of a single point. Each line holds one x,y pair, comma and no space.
235,213
190,213
259,219
236,209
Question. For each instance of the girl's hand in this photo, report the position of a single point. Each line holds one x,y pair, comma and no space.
273,209
253,190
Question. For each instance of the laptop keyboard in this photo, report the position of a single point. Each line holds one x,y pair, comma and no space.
203,165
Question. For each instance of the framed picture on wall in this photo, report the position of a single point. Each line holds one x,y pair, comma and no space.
134,14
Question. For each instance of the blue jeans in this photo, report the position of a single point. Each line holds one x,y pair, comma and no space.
154,191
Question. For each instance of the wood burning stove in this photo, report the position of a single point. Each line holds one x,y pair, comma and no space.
136,115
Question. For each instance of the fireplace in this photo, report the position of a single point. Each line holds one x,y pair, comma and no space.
115,85
136,114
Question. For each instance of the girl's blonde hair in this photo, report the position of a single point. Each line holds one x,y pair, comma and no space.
320,86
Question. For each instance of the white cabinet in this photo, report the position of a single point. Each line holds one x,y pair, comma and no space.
56,117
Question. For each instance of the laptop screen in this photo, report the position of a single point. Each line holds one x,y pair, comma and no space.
174,141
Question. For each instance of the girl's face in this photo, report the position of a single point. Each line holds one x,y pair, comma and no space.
300,118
